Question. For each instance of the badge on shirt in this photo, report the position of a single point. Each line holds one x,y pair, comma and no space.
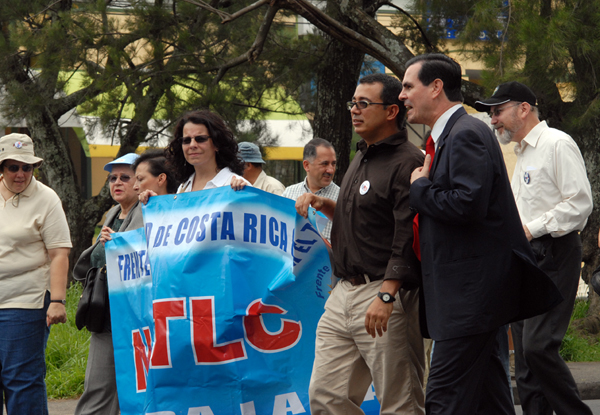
364,187
526,177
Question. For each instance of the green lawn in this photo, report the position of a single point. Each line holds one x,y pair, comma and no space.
66,354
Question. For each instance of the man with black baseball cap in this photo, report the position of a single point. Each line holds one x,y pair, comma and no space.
554,200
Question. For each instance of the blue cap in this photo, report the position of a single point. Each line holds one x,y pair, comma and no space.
249,153
128,159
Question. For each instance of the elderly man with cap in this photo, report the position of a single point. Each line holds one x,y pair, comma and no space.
34,262
100,393
554,200
253,169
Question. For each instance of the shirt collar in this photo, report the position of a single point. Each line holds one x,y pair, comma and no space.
392,140
440,124
532,138
218,181
221,178
322,189
29,189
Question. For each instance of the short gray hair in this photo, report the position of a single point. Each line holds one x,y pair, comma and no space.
310,149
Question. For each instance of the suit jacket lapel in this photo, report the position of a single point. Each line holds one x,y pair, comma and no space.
442,140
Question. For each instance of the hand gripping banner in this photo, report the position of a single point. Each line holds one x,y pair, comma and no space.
225,322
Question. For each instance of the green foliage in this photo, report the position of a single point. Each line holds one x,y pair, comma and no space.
577,346
67,352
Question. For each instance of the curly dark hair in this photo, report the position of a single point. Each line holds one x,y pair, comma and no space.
157,164
222,138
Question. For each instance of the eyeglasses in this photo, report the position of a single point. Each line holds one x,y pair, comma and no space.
199,139
112,178
497,112
13,168
361,105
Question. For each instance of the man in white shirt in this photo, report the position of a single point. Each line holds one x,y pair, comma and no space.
253,169
554,199
319,161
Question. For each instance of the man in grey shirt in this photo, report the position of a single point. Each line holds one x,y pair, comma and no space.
319,161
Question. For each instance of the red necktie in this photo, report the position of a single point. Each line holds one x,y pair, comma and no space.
429,150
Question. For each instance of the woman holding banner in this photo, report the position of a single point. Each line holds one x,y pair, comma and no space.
152,174
100,394
203,153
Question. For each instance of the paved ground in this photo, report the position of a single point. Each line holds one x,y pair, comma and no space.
587,376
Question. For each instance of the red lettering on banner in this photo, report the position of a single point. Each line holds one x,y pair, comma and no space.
141,357
270,342
165,310
204,336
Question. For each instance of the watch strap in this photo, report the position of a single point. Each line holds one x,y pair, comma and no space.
386,297
63,302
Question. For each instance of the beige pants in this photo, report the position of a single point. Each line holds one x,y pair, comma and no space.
348,359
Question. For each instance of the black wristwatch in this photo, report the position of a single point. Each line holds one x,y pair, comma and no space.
386,297
63,302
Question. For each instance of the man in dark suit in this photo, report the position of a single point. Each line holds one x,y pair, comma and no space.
478,269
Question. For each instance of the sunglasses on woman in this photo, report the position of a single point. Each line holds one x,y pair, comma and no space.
112,178
199,139
13,168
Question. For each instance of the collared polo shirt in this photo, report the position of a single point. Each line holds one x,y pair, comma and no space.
372,224
29,226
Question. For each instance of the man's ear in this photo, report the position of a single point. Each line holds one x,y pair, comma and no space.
392,111
305,164
437,87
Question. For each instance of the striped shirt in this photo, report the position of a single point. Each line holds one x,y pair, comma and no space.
330,192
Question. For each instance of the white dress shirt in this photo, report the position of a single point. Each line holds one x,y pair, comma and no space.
223,178
550,183
440,124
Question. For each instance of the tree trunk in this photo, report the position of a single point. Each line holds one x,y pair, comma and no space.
82,215
336,81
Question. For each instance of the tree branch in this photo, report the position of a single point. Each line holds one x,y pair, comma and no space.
256,48
428,44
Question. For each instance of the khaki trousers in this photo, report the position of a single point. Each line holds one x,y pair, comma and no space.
348,359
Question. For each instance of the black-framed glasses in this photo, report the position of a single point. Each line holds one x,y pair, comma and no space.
112,178
361,105
13,168
498,111
198,139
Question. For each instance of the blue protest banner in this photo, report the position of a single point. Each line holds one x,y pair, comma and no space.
226,323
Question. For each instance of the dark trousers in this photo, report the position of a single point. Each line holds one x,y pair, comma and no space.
544,381
467,377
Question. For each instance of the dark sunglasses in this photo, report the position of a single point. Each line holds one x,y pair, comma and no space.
113,178
13,168
199,139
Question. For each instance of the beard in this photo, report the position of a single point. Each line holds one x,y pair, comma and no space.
505,137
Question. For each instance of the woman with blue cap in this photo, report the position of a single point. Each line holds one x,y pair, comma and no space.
100,394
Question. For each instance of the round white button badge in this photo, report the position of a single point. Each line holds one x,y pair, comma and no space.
364,187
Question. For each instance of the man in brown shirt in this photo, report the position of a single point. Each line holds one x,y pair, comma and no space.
370,328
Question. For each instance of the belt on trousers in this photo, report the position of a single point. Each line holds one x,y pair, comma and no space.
361,279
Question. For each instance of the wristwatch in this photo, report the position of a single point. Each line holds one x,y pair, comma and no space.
63,302
386,297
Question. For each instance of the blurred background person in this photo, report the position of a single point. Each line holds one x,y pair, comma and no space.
253,169
152,173
100,394
34,262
